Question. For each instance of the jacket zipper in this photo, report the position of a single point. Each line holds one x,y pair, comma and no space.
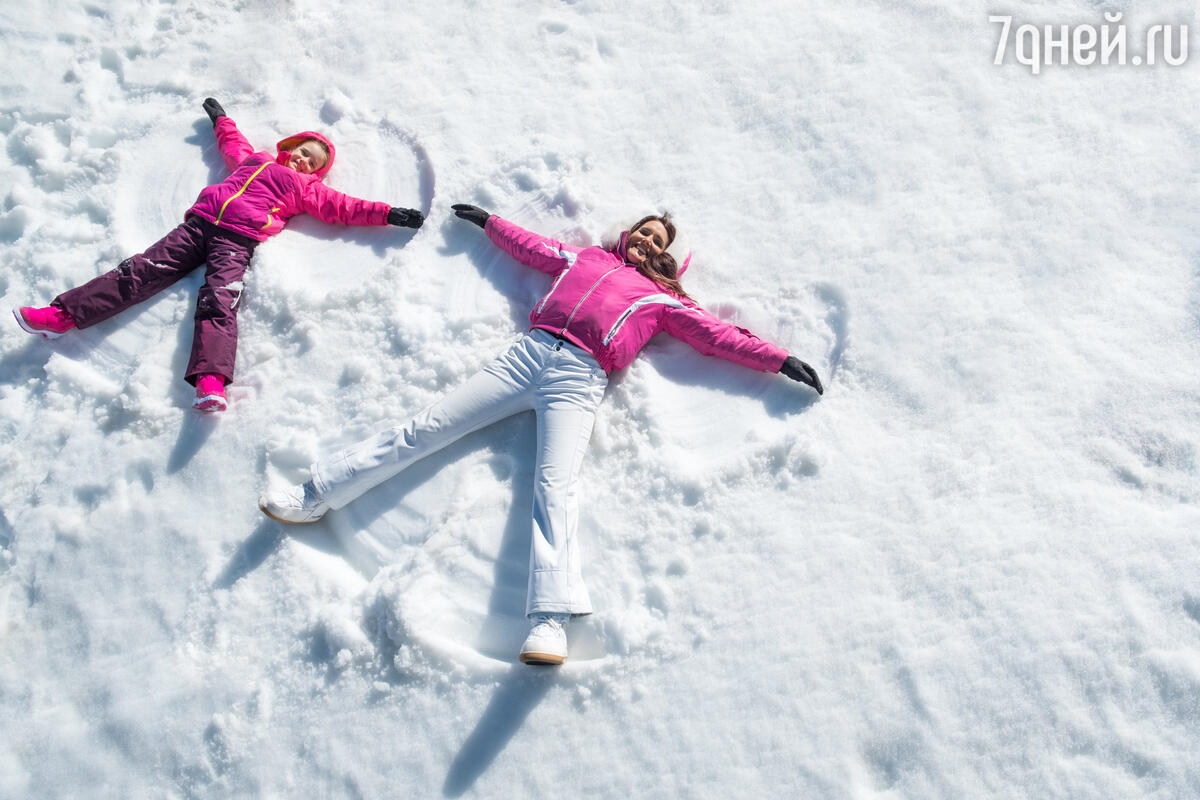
586,294
235,195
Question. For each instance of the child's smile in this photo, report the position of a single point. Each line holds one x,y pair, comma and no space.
307,158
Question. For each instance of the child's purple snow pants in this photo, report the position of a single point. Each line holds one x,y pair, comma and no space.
196,241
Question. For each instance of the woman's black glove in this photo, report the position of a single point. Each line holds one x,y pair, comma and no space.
405,217
471,213
213,109
797,370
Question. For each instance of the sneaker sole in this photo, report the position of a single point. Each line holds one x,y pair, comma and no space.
210,403
35,331
263,509
542,659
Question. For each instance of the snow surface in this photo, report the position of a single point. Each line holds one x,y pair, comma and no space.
968,571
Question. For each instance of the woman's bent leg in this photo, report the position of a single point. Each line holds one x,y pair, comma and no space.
499,391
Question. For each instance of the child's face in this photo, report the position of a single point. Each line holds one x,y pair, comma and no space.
307,157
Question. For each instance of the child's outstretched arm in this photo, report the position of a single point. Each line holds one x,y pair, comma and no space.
234,147
330,205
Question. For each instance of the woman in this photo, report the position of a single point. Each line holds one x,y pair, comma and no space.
602,308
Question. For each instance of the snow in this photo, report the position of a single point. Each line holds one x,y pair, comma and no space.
967,571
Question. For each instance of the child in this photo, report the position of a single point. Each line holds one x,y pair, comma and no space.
222,228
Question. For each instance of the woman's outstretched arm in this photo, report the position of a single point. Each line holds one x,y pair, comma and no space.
716,337
531,249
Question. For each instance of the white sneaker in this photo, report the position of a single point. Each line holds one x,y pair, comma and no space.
295,505
547,640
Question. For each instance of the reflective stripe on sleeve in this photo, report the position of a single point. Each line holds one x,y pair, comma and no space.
661,299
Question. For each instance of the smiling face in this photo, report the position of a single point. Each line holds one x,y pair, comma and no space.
307,157
646,240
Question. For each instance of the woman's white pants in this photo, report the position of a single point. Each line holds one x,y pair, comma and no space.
563,385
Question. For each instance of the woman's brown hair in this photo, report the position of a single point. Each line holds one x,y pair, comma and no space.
662,268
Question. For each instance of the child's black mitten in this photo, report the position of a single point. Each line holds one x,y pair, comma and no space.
405,217
213,109
797,370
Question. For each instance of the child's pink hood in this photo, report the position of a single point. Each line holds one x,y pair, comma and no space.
288,144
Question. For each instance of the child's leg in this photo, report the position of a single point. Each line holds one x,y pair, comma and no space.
136,278
214,343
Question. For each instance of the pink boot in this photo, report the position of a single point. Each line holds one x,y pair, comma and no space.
210,394
51,321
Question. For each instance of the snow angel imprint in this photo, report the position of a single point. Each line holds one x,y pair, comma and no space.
222,228
601,309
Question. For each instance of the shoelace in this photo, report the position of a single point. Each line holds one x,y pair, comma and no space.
549,620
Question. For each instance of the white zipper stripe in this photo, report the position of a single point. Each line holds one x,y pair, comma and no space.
586,295
569,257
664,299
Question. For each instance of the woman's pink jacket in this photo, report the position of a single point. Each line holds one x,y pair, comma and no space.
608,308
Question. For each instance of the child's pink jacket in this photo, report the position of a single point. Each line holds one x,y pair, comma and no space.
262,193
608,308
